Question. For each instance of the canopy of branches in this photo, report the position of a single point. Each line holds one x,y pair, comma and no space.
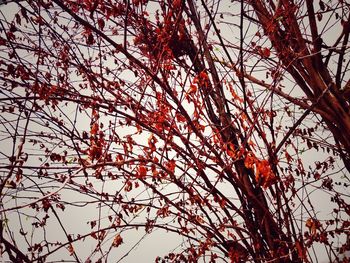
220,125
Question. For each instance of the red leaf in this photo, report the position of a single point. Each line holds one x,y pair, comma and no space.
94,129
171,166
265,52
118,240
101,23
70,249
142,172
92,224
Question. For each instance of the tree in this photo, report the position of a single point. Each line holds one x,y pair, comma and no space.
222,123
